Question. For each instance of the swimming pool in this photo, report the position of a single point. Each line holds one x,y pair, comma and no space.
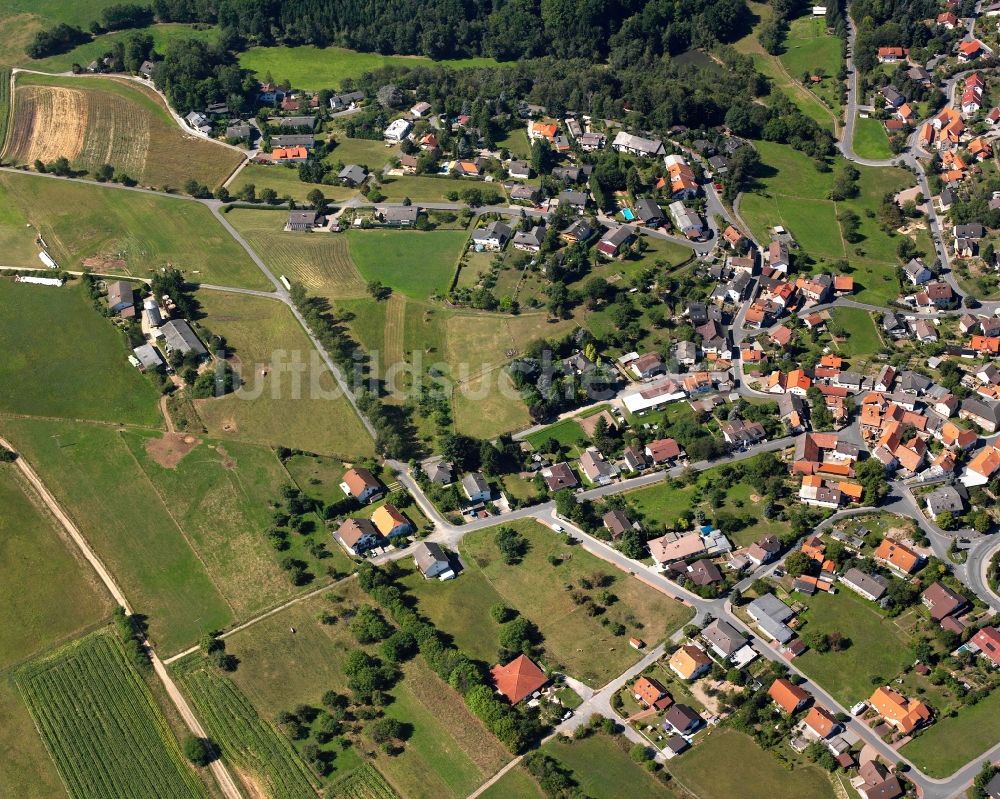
627,213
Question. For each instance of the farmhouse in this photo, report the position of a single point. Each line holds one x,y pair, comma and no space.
179,337
121,298
148,357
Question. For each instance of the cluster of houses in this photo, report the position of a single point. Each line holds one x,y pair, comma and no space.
359,535
164,335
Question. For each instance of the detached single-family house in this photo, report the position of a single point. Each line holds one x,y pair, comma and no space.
788,696
121,298
397,130
682,719
519,679
637,145
432,561
613,240
476,487
357,535
390,522
303,220
529,240
689,662
352,175
493,237
361,484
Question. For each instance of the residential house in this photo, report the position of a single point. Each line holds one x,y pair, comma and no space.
397,130
597,469
352,175
982,467
788,696
689,662
893,99
390,522
432,561
519,679
493,237
724,639
147,356
574,200
649,213
741,433
663,450
476,487
612,242
877,783
439,472
635,459
617,523
764,550
345,100
917,272
559,476
777,256
589,142
524,193
647,366
942,602
398,215
898,711
649,693
987,640
637,145
819,723
682,719
897,557
686,221
984,414
530,240
890,55
871,587
969,51
944,499
303,220
121,298
361,484
579,231
770,614
357,535
293,140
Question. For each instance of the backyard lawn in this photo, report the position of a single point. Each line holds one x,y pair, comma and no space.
69,361
870,139
878,647
863,338
285,181
573,641
729,765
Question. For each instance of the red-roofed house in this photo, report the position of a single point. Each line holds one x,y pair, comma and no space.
519,679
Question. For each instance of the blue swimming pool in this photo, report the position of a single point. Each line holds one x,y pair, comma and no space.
627,213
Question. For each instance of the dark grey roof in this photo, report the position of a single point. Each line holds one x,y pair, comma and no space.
724,636
179,336
426,554
873,585
647,210
294,140
292,122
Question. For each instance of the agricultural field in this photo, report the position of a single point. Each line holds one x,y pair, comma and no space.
48,592
101,725
96,121
26,770
418,264
4,105
141,543
878,646
51,372
22,18
285,181
318,261
794,193
363,783
573,641
309,67
265,760
953,741
870,139
758,776
280,404
107,229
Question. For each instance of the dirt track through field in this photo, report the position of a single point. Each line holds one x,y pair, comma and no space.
395,323
49,122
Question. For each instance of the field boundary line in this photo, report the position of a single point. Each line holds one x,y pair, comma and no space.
177,524
10,116
219,770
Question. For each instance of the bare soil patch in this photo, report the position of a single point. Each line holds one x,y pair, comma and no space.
171,448
49,122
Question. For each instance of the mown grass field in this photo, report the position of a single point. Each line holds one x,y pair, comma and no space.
419,264
309,67
878,647
729,765
794,193
69,360
26,770
449,753
870,139
863,339
81,221
95,120
295,406
422,188
285,181
953,741
263,757
319,261
86,467
809,48
573,641
370,153
101,725
48,592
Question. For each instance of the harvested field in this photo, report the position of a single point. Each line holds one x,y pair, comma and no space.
48,123
395,319
318,261
97,121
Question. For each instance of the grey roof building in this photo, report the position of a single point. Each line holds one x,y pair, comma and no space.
944,499
148,356
723,637
352,175
179,337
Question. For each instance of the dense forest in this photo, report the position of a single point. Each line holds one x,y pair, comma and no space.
619,30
